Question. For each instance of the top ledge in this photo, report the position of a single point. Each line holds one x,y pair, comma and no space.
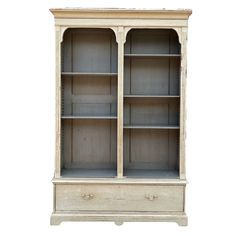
127,13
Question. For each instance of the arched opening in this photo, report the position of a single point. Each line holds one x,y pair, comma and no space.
151,103
89,50
89,102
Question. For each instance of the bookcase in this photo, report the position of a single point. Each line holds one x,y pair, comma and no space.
120,115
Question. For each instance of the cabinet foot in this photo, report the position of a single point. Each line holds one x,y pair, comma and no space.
182,222
119,223
55,220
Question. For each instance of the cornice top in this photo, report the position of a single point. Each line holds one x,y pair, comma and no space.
120,13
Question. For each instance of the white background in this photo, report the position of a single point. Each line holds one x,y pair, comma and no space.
27,120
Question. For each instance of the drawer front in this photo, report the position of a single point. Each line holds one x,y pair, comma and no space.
111,197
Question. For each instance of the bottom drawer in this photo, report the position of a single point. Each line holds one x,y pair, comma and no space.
118,197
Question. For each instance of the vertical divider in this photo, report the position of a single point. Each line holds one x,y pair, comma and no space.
183,76
120,38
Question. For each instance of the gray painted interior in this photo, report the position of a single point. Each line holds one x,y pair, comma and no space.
151,104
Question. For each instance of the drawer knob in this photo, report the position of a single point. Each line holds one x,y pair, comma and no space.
87,196
151,197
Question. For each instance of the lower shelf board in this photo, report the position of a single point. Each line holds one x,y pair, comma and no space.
154,174
111,173
88,173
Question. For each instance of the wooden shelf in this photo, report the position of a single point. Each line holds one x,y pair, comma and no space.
111,173
151,127
151,96
88,173
142,173
152,55
90,117
88,74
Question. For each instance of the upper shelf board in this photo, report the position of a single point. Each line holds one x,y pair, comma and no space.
152,55
87,74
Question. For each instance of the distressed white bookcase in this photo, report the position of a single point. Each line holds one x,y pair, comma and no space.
120,115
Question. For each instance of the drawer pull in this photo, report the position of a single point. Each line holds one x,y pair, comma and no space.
88,196
151,197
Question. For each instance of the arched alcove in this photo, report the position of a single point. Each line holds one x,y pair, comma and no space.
153,41
89,50
151,103
89,102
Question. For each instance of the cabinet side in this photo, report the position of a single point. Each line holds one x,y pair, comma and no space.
58,101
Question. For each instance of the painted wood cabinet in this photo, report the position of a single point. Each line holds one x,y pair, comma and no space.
120,115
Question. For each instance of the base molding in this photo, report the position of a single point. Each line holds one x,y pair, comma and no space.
119,218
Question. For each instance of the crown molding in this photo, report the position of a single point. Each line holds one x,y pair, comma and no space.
120,13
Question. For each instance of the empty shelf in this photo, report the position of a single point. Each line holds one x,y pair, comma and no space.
152,55
88,173
150,96
151,127
88,74
156,174
90,117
